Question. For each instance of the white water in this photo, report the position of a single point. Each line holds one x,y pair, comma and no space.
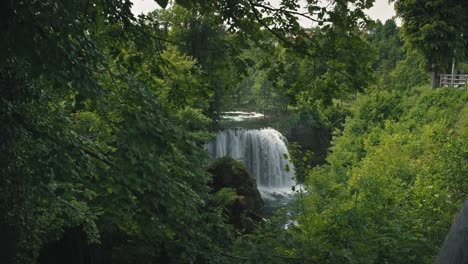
240,116
263,152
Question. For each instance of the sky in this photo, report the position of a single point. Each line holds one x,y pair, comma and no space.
143,6
381,10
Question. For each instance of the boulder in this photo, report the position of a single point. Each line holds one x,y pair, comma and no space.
230,173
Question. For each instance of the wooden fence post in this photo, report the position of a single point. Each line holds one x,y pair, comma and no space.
434,81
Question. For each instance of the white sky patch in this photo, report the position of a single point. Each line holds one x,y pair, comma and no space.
383,11
143,6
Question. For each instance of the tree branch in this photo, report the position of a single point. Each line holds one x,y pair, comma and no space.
287,42
257,17
63,201
305,15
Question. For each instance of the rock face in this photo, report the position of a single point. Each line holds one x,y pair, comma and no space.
230,173
455,248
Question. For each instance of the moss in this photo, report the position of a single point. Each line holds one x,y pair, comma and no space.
228,162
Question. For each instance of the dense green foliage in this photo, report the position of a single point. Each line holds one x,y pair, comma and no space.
98,132
395,179
103,118
386,39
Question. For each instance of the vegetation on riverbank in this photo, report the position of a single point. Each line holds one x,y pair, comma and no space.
103,118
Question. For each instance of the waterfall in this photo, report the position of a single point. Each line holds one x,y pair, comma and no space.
263,152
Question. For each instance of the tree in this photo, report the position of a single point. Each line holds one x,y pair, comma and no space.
437,29
387,42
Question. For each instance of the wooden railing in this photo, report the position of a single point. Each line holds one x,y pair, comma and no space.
454,80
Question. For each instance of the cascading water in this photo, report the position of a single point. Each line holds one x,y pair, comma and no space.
263,151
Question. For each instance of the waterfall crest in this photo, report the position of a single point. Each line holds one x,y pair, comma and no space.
263,152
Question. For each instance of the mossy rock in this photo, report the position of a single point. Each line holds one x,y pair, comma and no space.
230,173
